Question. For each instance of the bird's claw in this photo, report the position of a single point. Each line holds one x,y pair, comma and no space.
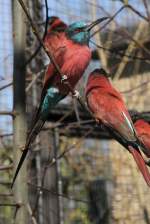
64,78
76,94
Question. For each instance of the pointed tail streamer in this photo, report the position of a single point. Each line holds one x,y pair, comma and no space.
140,163
31,138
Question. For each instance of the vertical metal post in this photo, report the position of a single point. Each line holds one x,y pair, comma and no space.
19,121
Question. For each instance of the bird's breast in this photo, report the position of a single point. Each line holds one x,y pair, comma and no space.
76,60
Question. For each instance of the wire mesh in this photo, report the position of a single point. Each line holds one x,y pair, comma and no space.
96,175
6,61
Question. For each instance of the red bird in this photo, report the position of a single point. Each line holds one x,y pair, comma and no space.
72,54
108,108
143,131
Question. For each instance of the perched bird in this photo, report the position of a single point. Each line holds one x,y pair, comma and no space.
72,55
143,132
108,108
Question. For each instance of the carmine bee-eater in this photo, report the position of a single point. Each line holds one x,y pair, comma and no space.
72,56
143,132
109,109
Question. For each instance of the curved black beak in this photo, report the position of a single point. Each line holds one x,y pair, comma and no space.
96,22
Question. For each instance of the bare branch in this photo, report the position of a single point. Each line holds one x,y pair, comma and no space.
5,86
34,80
7,204
6,195
6,167
31,214
120,54
10,113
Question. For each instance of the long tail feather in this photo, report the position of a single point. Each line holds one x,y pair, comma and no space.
140,163
35,130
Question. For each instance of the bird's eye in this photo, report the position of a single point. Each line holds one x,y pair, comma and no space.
78,30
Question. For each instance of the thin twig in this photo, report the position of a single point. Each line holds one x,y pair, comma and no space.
124,31
109,21
136,87
6,167
117,13
137,12
147,11
10,113
6,195
60,195
120,54
31,214
34,80
6,135
8,204
128,51
5,86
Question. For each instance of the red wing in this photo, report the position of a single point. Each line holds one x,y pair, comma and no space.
115,94
112,112
76,61
50,72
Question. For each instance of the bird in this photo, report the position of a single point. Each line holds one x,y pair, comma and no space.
143,131
72,55
109,110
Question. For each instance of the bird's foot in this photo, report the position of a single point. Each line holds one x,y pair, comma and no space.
64,78
76,94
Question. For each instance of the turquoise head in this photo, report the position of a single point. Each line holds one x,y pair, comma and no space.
79,32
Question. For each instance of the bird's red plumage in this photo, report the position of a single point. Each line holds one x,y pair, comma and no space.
143,132
56,24
72,59
54,40
108,107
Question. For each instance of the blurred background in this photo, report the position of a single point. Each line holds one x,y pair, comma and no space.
75,173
